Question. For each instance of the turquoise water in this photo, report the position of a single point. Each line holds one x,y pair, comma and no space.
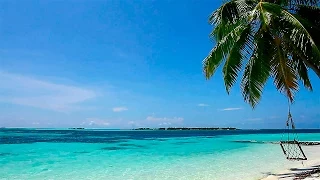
140,155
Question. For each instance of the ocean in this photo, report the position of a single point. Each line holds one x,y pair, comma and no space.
60,154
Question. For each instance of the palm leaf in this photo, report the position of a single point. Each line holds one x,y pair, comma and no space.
298,33
285,77
225,13
229,16
222,49
223,29
283,42
309,16
303,74
235,59
257,71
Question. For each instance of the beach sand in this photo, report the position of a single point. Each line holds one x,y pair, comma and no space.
297,169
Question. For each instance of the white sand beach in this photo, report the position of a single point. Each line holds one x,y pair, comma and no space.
298,170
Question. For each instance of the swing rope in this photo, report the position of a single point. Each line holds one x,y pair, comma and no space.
291,147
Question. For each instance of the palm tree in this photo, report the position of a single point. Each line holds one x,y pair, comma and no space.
278,39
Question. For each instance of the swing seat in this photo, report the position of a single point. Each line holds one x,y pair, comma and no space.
292,150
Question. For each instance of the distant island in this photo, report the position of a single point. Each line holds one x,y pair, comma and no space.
77,128
188,129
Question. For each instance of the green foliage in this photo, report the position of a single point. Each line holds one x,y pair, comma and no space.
258,69
264,39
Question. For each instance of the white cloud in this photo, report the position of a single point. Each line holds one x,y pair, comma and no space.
22,90
119,109
164,124
203,105
133,124
231,109
165,120
95,122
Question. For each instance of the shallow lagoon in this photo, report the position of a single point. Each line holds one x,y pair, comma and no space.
141,155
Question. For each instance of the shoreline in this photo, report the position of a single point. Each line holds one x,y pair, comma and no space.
309,170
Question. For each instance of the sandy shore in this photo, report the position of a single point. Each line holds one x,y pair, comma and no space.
298,169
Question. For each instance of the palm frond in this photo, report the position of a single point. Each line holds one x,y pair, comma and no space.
265,17
299,35
285,77
309,16
245,7
229,16
231,11
257,71
223,29
235,59
297,54
309,12
222,49
283,3
283,42
226,13
303,74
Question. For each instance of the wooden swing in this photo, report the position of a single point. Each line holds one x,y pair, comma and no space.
290,146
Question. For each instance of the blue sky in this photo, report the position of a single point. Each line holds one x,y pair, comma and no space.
124,64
